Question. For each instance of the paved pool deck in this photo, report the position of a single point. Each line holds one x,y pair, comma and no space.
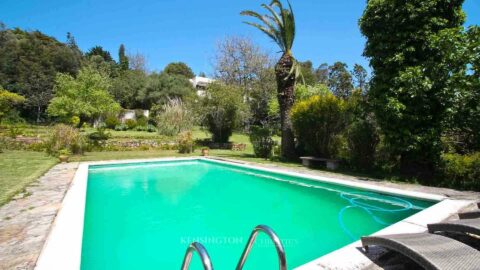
25,222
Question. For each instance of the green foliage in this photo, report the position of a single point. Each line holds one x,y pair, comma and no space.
162,87
7,102
360,76
261,139
221,111
99,137
362,140
111,121
185,142
174,117
121,127
179,68
127,86
340,80
75,121
303,92
99,51
65,137
461,171
85,96
308,73
409,89
122,58
318,123
29,62
151,128
131,123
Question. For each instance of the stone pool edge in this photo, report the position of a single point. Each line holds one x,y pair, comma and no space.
62,249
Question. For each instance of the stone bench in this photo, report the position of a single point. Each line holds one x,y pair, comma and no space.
331,164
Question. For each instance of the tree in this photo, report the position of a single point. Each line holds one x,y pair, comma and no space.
29,62
137,62
180,69
221,110
409,91
127,86
122,58
7,101
340,80
321,74
85,96
98,50
280,27
239,62
161,87
360,77
308,73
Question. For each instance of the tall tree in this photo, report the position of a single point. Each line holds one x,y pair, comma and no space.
340,80
98,50
161,87
29,62
179,68
280,27
408,89
122,58
308,73
137,62
321,74
360,77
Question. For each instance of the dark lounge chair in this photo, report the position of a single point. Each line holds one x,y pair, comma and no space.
471,226
470,214
430,251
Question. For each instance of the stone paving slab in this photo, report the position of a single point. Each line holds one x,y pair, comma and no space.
26,220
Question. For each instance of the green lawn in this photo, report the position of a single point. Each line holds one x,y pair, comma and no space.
20,168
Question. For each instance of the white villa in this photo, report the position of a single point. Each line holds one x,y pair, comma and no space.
200,83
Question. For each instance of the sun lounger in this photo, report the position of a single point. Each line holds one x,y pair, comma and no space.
431,251
470,214
471,226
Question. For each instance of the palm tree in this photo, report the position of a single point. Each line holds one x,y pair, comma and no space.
280,27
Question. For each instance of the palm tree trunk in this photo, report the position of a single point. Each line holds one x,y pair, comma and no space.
286,98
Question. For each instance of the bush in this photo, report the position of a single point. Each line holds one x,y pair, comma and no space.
130,123
99,137
75,121
318,122
174,117
461,171
222,110
362,140
142,121
121,127
111,121
65,137
141,128
151,128
262,142
185,142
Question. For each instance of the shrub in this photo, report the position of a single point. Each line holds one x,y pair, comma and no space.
151,128
174,117
185,142
222,110
99,137
262,141
318,122
121,127
362,140
142,121
65,137
461,171
141,128
14,131
111,121
75,121
130,123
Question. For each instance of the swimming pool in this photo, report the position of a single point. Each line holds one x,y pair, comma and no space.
144,215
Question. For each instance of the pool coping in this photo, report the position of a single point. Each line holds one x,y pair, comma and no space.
62,249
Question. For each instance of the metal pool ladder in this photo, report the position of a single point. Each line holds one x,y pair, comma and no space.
282,260
205,258
202,252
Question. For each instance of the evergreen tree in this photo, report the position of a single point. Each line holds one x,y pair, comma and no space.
122,58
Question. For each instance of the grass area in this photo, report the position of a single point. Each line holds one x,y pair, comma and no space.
20,168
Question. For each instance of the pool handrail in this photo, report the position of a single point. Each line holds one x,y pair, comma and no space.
282,260
202,252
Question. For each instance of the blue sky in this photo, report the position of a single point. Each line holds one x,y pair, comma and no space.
188,30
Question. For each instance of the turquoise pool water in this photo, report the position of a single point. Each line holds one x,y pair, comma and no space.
144,215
